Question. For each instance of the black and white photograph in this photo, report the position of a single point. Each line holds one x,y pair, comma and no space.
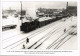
39,25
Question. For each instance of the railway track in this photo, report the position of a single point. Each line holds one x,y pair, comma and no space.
22,32
33,34
30,37
39,40
57,43
63,42
11,37
59,37
47,36
41,29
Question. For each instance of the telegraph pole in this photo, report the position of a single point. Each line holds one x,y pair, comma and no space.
67,8
67,5
21,13
21,7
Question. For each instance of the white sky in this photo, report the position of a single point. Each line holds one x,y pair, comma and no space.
56,5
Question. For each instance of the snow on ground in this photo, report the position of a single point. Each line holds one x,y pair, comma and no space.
71,44
21,36
16,42
11,32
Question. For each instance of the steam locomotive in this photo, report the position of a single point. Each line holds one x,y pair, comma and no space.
30,24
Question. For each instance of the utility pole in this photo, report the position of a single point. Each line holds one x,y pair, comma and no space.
67,5
66,8
21,7
21,12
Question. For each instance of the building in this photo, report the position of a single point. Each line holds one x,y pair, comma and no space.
72,10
